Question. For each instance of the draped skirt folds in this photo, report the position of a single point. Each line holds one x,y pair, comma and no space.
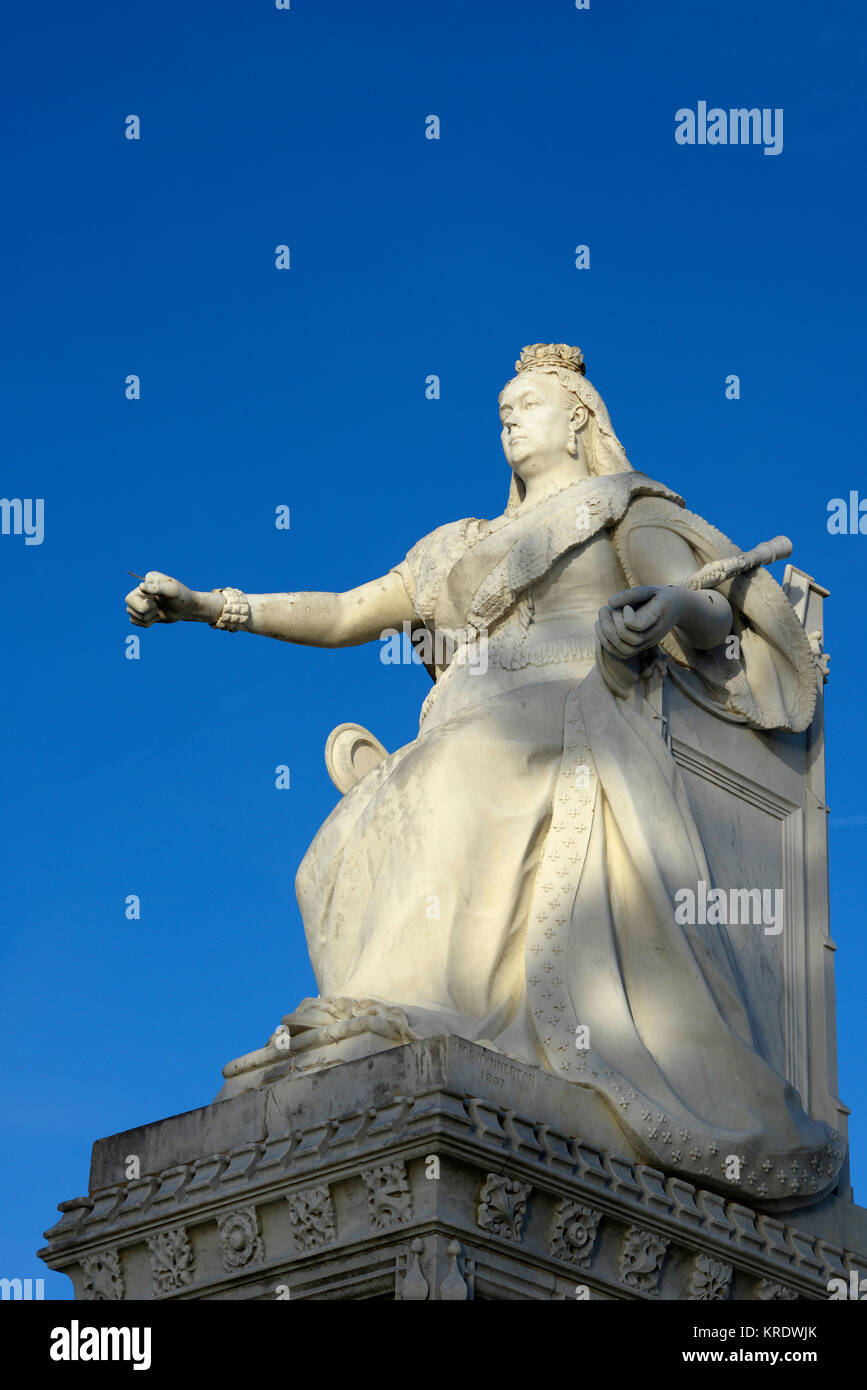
510,877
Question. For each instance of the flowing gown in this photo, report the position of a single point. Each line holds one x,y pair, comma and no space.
510,875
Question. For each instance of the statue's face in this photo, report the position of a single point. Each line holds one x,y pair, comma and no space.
536,419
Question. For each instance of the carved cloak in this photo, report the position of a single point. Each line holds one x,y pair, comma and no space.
510,875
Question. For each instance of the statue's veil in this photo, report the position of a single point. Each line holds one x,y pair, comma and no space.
608,454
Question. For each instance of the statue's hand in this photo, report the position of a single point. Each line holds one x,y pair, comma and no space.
639,618
160,599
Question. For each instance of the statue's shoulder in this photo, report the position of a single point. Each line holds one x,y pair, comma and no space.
451,537
642,488
430,559
643,501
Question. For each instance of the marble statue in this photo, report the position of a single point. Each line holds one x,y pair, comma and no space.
511,875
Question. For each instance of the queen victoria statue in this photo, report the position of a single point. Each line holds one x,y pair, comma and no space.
522,873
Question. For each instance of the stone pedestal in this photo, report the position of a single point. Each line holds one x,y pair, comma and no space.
434,1170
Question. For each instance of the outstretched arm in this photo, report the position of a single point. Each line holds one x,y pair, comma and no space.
312,619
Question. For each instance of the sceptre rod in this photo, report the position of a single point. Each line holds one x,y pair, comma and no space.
718,571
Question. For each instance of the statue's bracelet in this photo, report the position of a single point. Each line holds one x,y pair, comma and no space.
236,610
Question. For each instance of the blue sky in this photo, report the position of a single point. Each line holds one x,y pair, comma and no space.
306,388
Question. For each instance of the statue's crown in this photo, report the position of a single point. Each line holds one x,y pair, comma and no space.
551,355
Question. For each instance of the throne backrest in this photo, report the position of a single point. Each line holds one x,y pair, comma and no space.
759,802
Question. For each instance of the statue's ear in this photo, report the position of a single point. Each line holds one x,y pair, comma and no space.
577,424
